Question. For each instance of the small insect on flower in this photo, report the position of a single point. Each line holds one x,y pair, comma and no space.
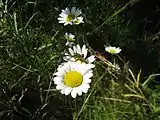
70,39
70,17
78,54
112,50
74,78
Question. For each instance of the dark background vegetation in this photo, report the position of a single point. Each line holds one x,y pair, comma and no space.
25,72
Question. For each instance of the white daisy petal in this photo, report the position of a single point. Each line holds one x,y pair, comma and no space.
67,11
75,49
66,24
71,51
85,88
72,59
60,86
79,91
90,65
57,80
74,93
87,81
66,54
67,67
79,50
83,48
73,10
91,59
78,12
60,74
63,91
61,68
88,75
67,43
67,90
84,51
61,22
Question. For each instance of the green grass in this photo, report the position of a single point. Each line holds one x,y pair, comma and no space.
32,46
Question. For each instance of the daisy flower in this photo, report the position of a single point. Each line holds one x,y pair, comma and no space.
74,78
78,20
68,16
78,54
112,50
115,68
70,39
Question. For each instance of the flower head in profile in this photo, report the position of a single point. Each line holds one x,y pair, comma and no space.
112,50
114,68
74,78
70,39
70,17
78,20
78,54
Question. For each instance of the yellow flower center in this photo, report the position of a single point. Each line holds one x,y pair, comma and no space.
69,17
73,79
112,51
70,39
